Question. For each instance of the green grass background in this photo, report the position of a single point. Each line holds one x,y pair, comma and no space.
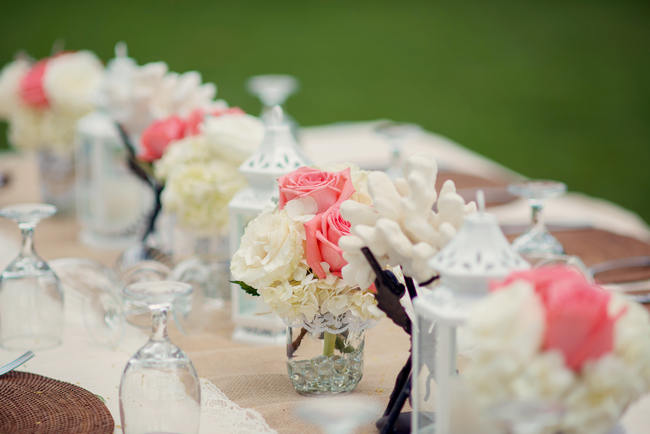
552,89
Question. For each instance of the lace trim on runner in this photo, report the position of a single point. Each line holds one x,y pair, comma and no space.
221,415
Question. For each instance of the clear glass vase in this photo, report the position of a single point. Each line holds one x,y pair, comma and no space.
325,361
112,203
56,171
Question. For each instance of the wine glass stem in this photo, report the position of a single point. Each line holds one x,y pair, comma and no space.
537,208
27,231
159,330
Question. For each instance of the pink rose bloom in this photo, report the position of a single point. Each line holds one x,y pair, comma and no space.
195,119
322,243
578,324
159,135
31,88
326,188
542,278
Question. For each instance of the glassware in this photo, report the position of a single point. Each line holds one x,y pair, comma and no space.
56,172
396,134
31,299
112,203
160,390
272,90
97,288
339,415
321,362
537,239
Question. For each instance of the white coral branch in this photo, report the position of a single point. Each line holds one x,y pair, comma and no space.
401,226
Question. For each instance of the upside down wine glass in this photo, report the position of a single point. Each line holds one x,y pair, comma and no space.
537,239
160,390
396,134
31,299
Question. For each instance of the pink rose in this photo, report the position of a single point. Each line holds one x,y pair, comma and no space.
326,188
541,278
323,233
159,135
578,324
195,119
31,88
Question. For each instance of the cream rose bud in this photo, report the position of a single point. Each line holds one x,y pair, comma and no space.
72,81
234,136
270,250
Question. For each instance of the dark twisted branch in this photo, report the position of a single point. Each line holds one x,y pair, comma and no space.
147,178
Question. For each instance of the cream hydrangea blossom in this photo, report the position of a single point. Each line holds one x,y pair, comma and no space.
509,365
270,250
199,194
72,81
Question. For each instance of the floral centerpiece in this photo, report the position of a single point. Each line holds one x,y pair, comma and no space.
290,256
548,336
42,101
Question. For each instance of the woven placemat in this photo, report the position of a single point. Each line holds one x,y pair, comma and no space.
495,190
594,246
31,403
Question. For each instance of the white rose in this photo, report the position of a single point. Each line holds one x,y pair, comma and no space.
270,250
234,136
199,194
72,80
10,77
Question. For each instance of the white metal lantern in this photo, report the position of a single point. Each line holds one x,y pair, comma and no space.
112,203
278,155
477,255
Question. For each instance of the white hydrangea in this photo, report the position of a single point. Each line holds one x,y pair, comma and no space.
199,193
190,150
303,297
269,251
10,77
71,82
25,125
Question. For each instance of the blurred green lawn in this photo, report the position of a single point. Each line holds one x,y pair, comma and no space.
550,89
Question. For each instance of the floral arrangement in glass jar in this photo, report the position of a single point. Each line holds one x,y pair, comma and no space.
42,100
290,256
549,336
198,157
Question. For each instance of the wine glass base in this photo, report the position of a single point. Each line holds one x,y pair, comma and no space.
30,342
536,242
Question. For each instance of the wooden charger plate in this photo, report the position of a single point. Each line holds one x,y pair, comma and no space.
31,403
595,246
495,190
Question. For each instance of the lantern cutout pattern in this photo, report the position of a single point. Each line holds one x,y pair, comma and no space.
477,255
278,155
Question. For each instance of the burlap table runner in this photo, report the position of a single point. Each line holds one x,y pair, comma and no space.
253,377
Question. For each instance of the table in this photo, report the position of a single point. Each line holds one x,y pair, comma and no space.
256,377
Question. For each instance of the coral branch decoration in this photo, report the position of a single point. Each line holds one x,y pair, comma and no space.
401,227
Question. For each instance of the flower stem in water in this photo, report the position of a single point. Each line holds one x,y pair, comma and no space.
329,340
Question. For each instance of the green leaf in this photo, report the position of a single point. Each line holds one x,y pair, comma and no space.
340,345
249,289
